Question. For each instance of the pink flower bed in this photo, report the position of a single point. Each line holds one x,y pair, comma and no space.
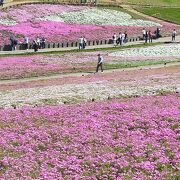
38,65
27,66
28,24
135,138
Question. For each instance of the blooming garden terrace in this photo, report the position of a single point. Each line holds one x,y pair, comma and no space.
62,121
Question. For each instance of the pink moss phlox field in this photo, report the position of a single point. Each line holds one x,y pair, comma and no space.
27,66
27,23
38,65
136,138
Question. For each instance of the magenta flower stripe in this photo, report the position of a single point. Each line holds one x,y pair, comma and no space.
133,138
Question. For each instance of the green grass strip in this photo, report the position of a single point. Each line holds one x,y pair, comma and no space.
167,14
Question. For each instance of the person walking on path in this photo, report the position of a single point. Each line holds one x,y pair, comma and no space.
81,43
84,42
43,43
150,37
114,39
26,43
120,39
144,33
125,37
100,63
146,37
38,41
174,35
158,35
35,46
13,43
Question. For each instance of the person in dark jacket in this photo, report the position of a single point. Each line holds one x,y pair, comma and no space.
146,37
13,43
100,63
35,46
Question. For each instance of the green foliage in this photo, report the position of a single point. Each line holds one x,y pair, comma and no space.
168,14
154,2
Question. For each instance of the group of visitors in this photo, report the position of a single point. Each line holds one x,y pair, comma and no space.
120,39
91,2
82,42
38,43
147,35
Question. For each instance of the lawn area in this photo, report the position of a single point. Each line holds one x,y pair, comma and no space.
154,2
168,14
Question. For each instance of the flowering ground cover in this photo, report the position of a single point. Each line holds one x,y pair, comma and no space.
84,88
59,23
136,138
153,52
41,65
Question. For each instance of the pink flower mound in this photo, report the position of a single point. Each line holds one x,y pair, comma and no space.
52,31
18,67
38,65
136,138
28,24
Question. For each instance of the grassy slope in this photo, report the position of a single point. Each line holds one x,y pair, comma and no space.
154,2
168,14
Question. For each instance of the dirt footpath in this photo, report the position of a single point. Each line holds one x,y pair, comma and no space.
80,78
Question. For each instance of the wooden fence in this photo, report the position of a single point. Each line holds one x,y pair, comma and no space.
66,44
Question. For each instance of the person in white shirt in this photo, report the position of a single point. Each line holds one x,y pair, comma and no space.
84,42
123,38
38,42
81,43
100,63
114,39
144,33
174,35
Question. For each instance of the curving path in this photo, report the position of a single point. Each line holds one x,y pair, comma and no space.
41,78
160,40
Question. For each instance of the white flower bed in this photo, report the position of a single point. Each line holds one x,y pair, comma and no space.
95,16
7,22
153,52
85,92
